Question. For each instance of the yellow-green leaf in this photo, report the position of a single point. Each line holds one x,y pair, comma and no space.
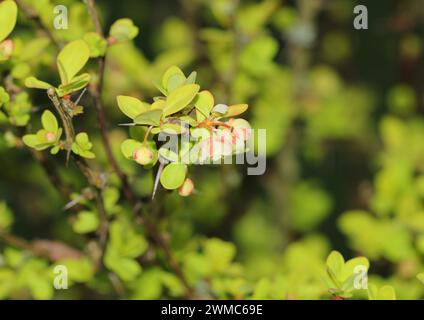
335,262
32,82
71,59
77,83
123,30
150,118
8,15
173,175
131,107
86,222
235,110
49,122
204,103
180,98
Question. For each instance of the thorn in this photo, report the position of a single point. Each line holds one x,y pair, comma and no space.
72,203
127,124
80,96
155,187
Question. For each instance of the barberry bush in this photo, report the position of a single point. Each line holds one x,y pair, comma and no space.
115,122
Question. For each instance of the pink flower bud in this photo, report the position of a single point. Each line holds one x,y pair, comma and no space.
187,188
223,142
242,129
143,156
6,48
50,136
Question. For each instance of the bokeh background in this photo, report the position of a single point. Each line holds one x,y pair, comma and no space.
343,110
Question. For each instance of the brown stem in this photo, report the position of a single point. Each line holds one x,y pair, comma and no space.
94,178
51,250
129,194
96,93
66,121
94,16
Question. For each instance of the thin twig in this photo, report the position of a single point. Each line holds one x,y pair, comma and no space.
129,194
66,121
96,93
50,250
94,179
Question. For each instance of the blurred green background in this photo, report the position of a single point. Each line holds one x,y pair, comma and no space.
343,110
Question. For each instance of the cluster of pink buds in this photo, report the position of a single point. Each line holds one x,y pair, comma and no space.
227,139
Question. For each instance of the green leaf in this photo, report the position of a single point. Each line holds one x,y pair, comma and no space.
31,140
49,122
219,254
180,98
86,222
175,82
386,293
172,283
173,78
420,277
131,107
335,283
33,82
123,30
96,44
127,269
191,79
235,110
168,154
6,216
82,140
349,284
158,104
170,72
8,16
172,128
111,197
150,118
4,96
372,292
188,119
77,83
3,118
148,285
351,266
204,103
82,146
55,149
71,59
79,270
125,240
124,245
335,262
21,70
173,175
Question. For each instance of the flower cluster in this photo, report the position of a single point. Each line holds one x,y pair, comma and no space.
196,130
